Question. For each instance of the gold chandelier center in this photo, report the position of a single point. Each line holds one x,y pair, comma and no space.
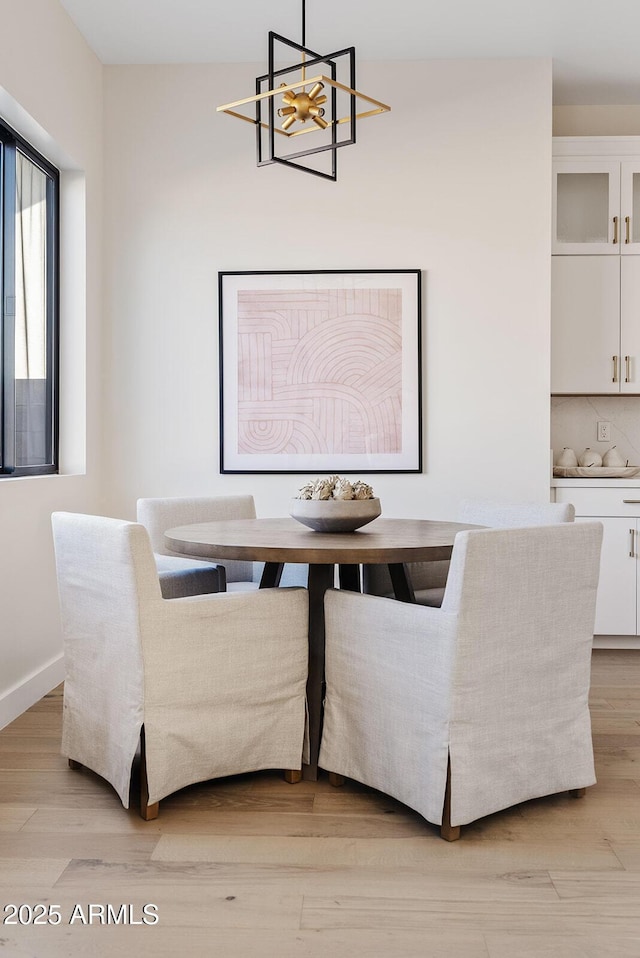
303,106
302,103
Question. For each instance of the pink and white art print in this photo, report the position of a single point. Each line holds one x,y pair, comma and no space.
320,371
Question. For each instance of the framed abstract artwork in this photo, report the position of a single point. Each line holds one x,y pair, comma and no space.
320,371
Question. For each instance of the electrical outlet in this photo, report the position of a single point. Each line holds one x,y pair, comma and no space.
604,431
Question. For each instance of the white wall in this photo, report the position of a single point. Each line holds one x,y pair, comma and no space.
454,181
51,91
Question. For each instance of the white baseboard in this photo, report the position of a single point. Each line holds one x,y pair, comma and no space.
21,697
616,642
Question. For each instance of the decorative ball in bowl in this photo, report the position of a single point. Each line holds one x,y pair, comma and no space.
335,515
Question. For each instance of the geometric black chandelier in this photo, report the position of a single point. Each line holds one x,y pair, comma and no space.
324,104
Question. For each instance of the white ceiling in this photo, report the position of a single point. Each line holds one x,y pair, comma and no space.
594,44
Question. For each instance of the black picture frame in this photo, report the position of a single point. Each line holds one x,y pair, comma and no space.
320,371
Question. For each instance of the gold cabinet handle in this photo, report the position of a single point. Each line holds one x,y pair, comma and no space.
632,553
615,369
626,368
627,228
631,502
615,229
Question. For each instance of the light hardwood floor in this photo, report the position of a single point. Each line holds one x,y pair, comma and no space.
251,866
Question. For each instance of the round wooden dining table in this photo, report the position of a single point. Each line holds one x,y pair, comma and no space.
391,542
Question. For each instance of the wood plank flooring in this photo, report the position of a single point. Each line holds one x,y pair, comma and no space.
250,866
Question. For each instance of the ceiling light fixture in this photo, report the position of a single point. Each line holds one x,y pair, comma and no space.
332,114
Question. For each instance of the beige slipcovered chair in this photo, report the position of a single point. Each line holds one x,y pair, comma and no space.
504,515
211,685
159,514
429,578
461,711
186,575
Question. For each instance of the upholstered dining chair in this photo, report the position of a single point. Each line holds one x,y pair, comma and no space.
504,515
429,578
192,679
186,575
462,711
159,514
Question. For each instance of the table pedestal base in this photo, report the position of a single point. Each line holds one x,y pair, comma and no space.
321,578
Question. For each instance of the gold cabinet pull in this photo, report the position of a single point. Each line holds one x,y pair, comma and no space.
631,502
615,369
615,229
626,368
627,229
632,553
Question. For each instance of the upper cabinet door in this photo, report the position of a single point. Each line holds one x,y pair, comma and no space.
585,324
630,207
586,206
630,324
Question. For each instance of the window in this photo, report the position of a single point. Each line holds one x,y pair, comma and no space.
29,317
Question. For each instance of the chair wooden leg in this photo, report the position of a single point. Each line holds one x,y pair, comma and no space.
450,833
147,811
74,764
335,779
293,775
577,792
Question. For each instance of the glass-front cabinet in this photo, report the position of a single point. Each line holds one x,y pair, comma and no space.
587,206
596,199
595,269
630,206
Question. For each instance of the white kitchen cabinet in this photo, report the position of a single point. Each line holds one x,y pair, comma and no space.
595,324
618,603
595,276
596,196
630,324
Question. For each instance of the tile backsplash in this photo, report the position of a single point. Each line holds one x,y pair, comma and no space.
574,422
